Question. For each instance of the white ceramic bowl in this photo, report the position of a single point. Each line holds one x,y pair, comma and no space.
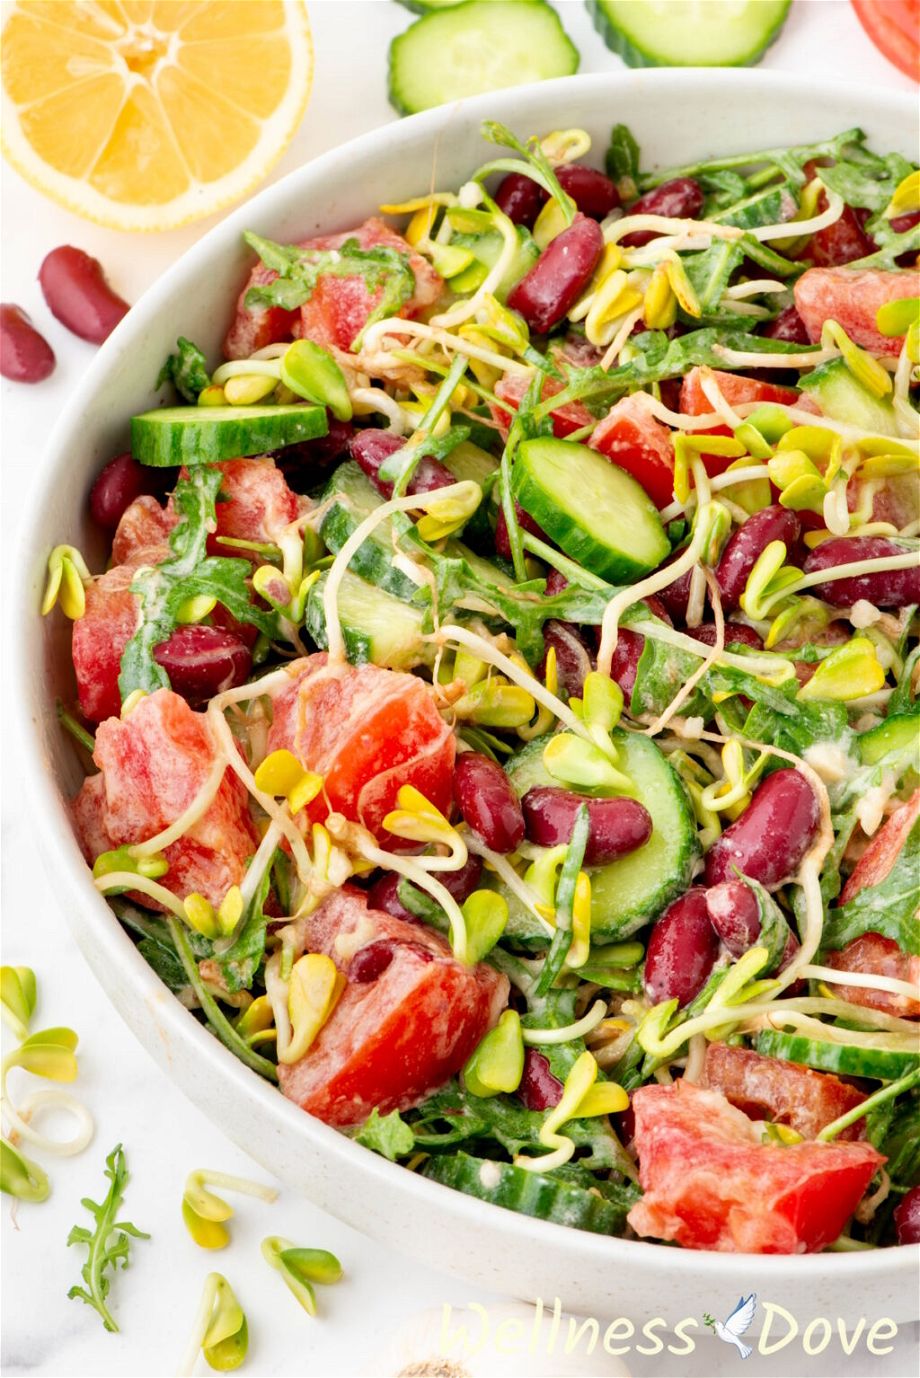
678,116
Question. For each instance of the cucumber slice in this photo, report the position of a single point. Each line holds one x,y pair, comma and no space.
596,512
487,247
843,398
172,436
479,46
356,498
845,1059
468,461
633,891
895,735
528,1193
676,33
377,627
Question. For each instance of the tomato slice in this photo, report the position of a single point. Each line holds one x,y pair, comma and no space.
769,1088
511,388
367,731
709,1182
144,524
635,441
873,954
100,636
396,1037
254,503
882,852
894,27
735,388
852,297
152,764
338,308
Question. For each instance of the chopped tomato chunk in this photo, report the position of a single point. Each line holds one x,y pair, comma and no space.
337,311
367,731
152,766
875,955
635,441
883,851
102,633
144,524
568,418
852,297
254,503
769,1088
735,388
407,1020
710,1183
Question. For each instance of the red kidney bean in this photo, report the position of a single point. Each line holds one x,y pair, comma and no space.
25,356
573,657
202,661
77,293
681,951
384,893
625,662
772,523
676,596
888,589
902,223
539,1088
734,914
734,632
593,193
118,484
243,631
681,198
555,583
658,609
371,961
768,841
556,281
521,198
369,448
486,799
617,826
309,455
907,1217
840,243
788,326
526,523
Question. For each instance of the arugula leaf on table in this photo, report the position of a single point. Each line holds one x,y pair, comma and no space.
388,1135
188,572
108,1243
385,270
187,370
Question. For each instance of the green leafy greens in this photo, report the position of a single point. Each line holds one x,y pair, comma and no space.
187,370
108,1243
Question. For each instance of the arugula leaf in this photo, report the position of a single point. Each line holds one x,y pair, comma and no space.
864,179
903,700
709,271
902,1142
888,907
622,156
156,945
188,572
108,1243
789,161
388,1135
723,189
240,962
385,270
187,370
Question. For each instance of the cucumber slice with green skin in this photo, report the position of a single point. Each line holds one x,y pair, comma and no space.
480,46
172,436
678,33
373,561
529,1193
488,247
843,398
468,461
894,735
377,627
631,892
844,1059
596,512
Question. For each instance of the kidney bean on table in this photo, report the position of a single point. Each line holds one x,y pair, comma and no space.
77,293
539,1088
384,893
202,661
886,589
546,293
25,355
768,841
369,449
681,199
486,799
617,826
747,544
682,950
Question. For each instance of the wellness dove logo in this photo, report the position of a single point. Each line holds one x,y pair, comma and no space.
736,1325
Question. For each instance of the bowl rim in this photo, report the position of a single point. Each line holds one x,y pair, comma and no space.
90,910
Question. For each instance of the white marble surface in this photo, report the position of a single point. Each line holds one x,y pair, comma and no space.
132,1100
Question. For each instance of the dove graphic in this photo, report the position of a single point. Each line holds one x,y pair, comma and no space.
736,1325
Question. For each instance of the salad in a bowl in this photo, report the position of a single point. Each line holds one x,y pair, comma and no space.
500,705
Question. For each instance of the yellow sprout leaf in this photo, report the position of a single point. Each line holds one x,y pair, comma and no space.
849,672
315,987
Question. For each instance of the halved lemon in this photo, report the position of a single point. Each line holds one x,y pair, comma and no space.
145,114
